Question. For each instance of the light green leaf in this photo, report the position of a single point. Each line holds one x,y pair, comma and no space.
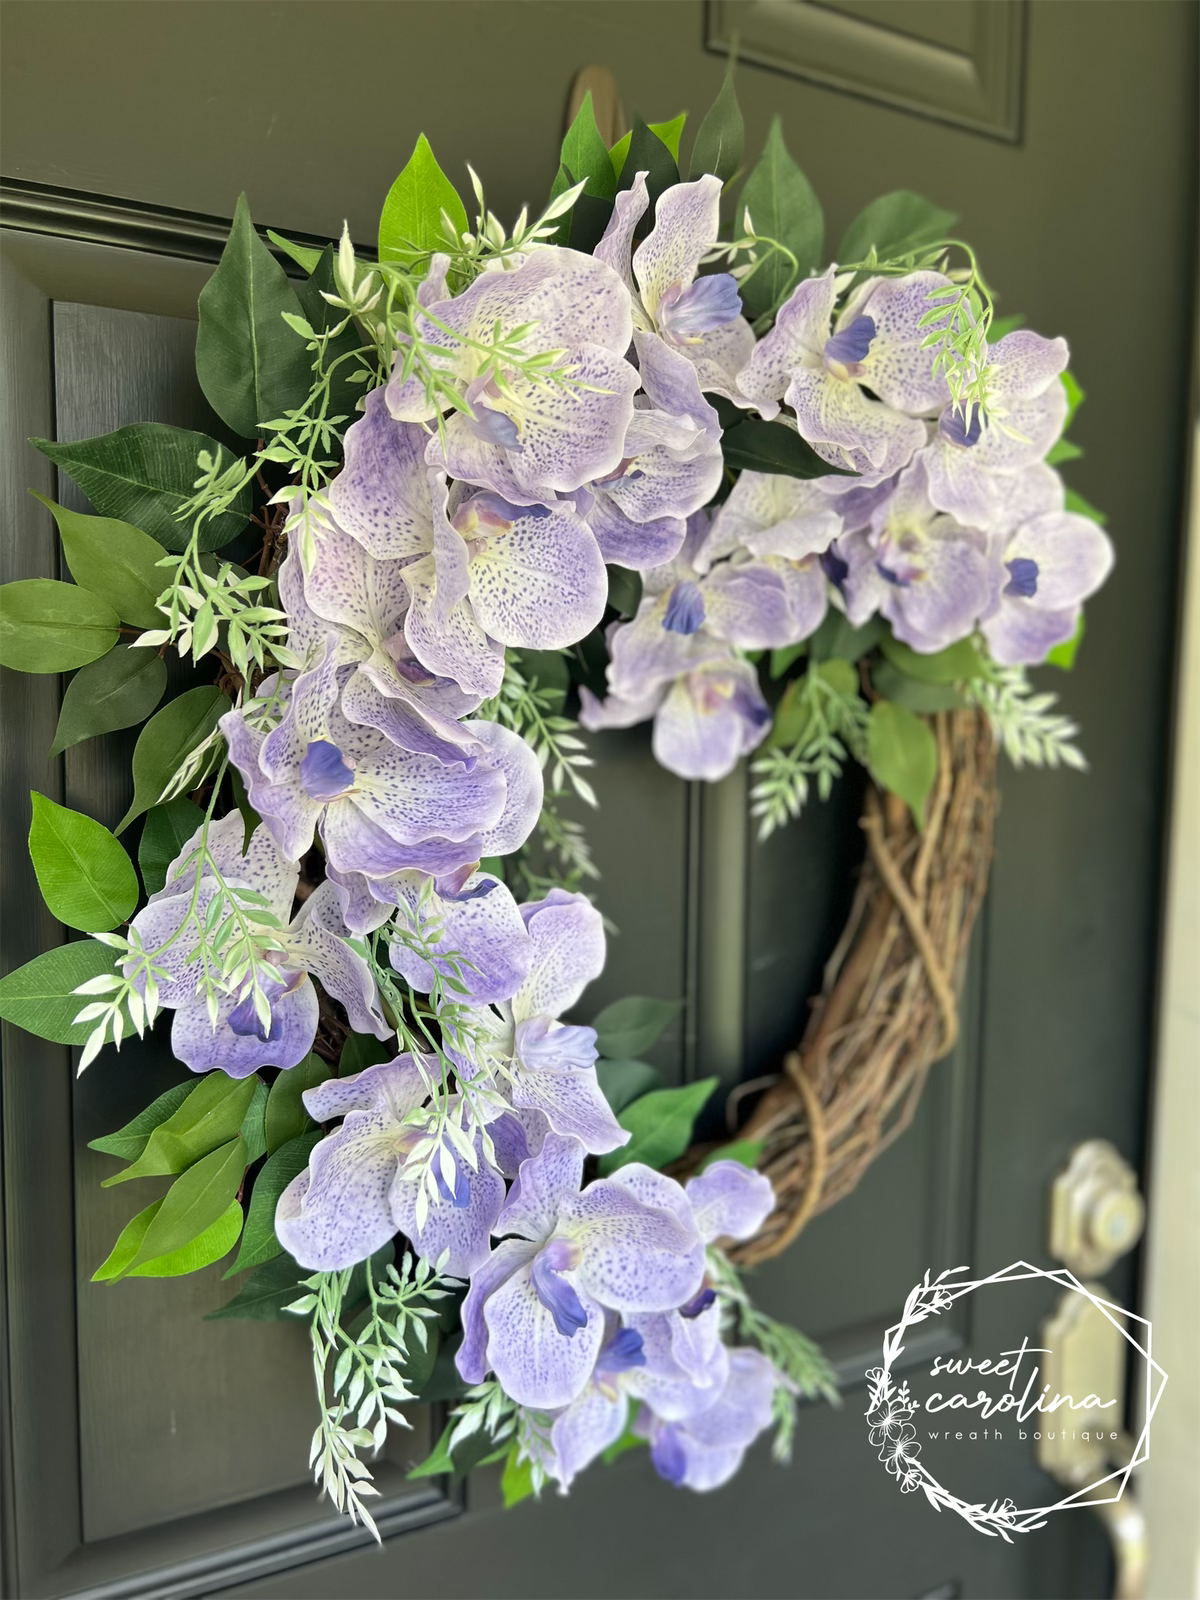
286,1118
86,878
120,689
668,133
516,1481
902,753
251,365
143,474
129,1242
783,206
47,626
746,1151
661,1125
265,1293
259,1243
167,739
1063,655
217,1240
623,1081
897,224
254,1124
838,637
721,137
411,226
206,1119
1064,450
114,560
628,1027
911,693
38,996
166,830
194,1202
129,1142
1075,395
303,255
956,664
1083,508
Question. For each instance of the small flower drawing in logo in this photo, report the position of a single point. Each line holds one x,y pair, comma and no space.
910,1479
1006,1513
888,1420
900,1450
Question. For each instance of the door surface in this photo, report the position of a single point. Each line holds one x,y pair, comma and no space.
150,1452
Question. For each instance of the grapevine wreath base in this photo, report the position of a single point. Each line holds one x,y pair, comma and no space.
887,1009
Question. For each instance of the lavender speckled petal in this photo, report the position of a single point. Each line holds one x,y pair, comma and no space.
643,654
686,224
393,1087
318,938
337,1212
629,207
709,720
672,383
747,603
571,1100
807,592
1021,633
516,1136
536,1364
896,368
638,545
310,702
719,357
404,717
353,843
542,1185
658,483
848,429
288,812
362,910
452,645
573,299
945,599
1073,556
963,478
261,866
201,1047
463,1231
482,927
414,797
686,1364
584,1431
773,515
796,341
635,1257
509,755
567,934
613,712
1023,365
506,1259
537,578
729,1201
381,495
350,588
655,1189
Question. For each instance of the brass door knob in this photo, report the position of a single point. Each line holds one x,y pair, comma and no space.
1096,1211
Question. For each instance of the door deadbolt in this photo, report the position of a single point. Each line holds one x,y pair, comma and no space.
1096,1211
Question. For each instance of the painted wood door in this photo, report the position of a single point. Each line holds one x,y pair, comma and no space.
150,1452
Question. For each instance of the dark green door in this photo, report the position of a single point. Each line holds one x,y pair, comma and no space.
149,1452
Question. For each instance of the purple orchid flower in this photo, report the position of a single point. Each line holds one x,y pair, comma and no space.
823,373
704,1450
314,944
971,461
534,437
354,1194
769,514
1049,567
535,1311
381,497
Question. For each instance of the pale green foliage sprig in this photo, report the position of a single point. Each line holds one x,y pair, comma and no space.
803,1369
199,602
834,725
367,1384
1024,721
756,249
530,712
485,1408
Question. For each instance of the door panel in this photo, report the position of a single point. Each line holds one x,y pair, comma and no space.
1095,174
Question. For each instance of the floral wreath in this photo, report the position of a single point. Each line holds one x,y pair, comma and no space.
615,459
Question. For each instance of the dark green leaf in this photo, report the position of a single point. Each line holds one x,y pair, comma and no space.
902,753
473,1451
911,693
167,739
119,690
1083,508
411,225
646,152
628,1027
250,817
548,670
86,878
621,1082
266,1293
143,474
114,560
746,1151
781,660
956,664
286,1117
38,996
1064,450
194,1202
782,206
585,155
837,637
721,137
251,365
129,1142
259,1243
897,224
166,830
661,1125
210,1116
667,133
1063,655
624,590
254,1124
47,626
361,1050
759,446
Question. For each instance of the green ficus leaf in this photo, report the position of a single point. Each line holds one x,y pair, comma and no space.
645,150
721,138
911,693
167,739
143,474
39,996
411,225
744,1151
206,1119
305,256
668,134
86,878
254,1123
622,1082
897,224
286,1118
956,664
756,446
194,1202
838,637
129,1142
251,365
902,753
1063,655
114,560
209,1246
266,1293
585,155
516,1481
259,1243
628,1027
782,206
166,830
47,626
660,1125
119,690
